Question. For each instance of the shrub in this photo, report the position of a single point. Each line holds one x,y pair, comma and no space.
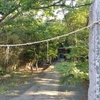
73,72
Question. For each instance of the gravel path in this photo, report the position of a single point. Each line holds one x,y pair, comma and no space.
46,87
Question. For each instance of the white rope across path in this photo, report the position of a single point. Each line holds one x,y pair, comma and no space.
57,37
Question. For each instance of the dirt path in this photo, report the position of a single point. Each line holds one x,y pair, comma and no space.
46,87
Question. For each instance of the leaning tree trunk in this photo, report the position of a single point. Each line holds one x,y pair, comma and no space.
94,53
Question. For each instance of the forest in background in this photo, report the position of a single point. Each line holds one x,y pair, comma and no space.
24,21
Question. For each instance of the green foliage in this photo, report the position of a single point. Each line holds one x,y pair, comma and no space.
75,69
13,79
72,72
6,7
29,53
82,2
23,21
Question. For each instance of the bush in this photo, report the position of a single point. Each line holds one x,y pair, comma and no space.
72,72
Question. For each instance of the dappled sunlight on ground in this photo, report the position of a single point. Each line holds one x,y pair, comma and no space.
45,92
46,86
14,93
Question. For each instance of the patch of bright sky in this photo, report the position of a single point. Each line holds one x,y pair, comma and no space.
1,16
60,12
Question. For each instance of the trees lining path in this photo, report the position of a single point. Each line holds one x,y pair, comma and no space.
46,87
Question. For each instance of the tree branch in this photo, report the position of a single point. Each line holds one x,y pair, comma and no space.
44,7
54,4
62,5
87,4
11,11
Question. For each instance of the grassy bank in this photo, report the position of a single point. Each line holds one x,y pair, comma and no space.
11,80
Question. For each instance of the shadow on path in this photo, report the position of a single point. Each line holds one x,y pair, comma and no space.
46,87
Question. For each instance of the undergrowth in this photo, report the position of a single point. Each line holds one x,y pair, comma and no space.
11,80
72,72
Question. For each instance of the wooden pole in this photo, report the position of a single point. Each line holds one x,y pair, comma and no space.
47,51
7,54
94,53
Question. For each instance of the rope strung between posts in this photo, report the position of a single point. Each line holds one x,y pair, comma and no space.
31,43
57,37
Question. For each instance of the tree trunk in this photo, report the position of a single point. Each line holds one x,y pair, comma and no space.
94,53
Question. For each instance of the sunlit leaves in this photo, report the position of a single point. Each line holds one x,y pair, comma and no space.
82,2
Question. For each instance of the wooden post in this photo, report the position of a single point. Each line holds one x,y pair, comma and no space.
47,51
94,53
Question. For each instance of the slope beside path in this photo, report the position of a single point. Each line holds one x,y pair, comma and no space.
46,87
